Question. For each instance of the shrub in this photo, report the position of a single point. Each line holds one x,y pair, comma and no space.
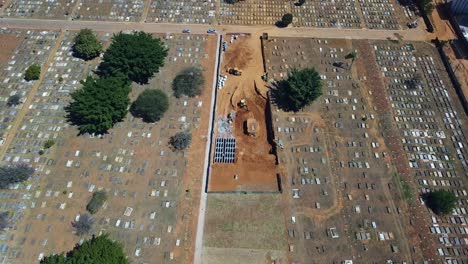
189,82
49,143
96,202
14,100
32,73
84,225
5,221
150,105
181,140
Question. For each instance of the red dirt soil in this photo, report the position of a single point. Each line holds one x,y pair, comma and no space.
255,166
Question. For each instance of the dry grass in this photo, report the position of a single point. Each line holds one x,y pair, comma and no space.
244,221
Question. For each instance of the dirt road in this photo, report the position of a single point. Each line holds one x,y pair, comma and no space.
108,26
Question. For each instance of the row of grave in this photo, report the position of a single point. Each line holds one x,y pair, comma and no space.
373,14
358,144
431,133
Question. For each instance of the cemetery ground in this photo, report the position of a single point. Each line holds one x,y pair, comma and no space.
153,191
352,163
337,168
346,167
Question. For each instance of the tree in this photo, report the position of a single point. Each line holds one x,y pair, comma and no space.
14,100
189,82
14,174
440,201
300,89
32,73
86,45
138,56
97,250
150,105
96,202
55,259
84,225
300,3
285,21
181,140
99,104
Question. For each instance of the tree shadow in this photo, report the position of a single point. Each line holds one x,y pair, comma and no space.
280,24
430,203
280,98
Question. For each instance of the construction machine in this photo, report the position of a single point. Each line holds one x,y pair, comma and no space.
242,103
235,71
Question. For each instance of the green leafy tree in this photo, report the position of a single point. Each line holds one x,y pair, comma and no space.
287,19
150,105
86,45
97,250
300,3
138,56
99,104
440,201
14,100
32,73
14,174
84,225
96,202
181,140
300,89
189,82
55,259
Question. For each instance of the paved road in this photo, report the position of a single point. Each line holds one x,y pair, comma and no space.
206,169
110,26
